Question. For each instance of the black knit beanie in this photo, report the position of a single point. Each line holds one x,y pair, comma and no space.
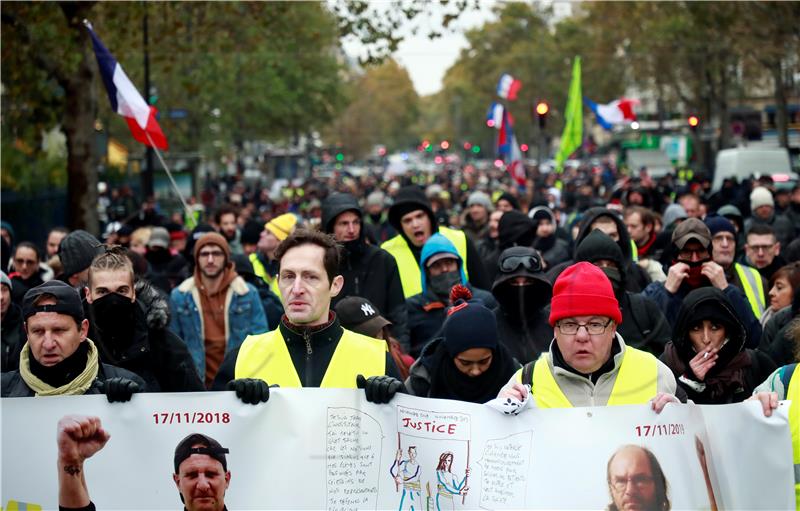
469,325
77,250
598,245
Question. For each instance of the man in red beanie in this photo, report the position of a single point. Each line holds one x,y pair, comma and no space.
589,363
214,309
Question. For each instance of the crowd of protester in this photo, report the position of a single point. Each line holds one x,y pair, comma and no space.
458,285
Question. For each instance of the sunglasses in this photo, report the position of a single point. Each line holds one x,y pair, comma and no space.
512,263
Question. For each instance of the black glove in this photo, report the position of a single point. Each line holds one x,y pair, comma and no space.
380,389
250,390
119,390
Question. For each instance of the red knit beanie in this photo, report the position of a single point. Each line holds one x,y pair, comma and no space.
583,290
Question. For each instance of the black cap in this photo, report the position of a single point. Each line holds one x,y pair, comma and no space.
68,300
211,448
360,315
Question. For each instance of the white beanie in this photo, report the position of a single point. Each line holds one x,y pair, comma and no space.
481,199
760,196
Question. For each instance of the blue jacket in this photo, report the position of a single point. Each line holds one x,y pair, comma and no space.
244,316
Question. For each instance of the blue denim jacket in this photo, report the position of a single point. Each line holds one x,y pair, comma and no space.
245,316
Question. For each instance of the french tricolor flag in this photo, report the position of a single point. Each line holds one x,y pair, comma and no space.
125,99
619,111
508,87
494,117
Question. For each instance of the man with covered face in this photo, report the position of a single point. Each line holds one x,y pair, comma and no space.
523,294
694,268
122,335
442,268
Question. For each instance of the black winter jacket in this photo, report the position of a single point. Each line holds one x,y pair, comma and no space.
157,355
14,386
13,338
369,272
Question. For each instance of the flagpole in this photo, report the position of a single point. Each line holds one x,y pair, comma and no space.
171,180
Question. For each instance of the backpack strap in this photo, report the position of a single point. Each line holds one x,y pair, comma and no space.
527,373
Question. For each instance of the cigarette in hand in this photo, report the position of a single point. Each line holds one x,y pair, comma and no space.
705,355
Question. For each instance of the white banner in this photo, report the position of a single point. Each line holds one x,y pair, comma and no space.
330,449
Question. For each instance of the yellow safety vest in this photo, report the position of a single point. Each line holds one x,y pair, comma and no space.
634,252
410,275
793,393
636,383
261,272
266,356
753,288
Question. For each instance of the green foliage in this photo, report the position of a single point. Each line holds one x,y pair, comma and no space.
383,108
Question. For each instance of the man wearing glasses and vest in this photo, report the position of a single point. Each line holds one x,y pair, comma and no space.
309,348
746,278
588,363
412,216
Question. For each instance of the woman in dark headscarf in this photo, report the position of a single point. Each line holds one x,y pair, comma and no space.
707,352
466,362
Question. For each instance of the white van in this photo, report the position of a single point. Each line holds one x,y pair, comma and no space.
742,163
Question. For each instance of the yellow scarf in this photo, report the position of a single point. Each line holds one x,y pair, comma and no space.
76,387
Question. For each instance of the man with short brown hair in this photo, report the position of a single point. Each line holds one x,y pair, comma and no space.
215,309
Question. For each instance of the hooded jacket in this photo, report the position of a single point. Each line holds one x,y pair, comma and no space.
737,370
426,311
412,198
369,272
522,312
554,248
637,278
643,324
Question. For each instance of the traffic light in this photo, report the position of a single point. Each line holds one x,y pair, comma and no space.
542,108
694,122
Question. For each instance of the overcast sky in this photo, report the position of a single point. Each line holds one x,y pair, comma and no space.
427,60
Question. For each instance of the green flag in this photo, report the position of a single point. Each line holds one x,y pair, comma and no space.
572,137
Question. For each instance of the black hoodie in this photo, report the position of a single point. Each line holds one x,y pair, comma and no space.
637,278
737,370
523,311
368,271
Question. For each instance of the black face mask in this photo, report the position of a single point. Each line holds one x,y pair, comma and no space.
114,313
442,283
376,217
615,277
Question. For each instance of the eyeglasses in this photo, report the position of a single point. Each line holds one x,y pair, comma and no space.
216,254
593,327
638,482
760,248
687,253
512,263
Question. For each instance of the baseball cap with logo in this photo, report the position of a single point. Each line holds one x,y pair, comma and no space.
360,315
